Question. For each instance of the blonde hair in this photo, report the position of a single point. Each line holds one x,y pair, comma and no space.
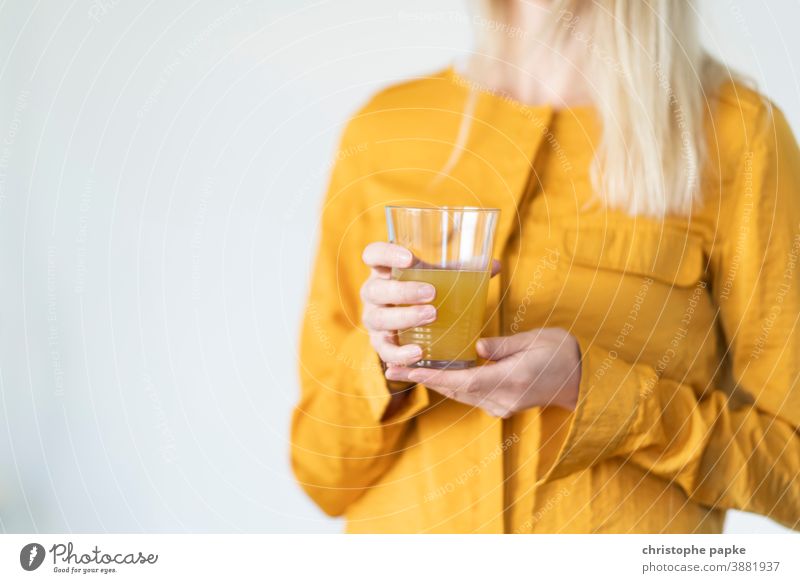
649,77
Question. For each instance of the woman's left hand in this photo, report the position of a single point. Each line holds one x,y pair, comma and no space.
531,369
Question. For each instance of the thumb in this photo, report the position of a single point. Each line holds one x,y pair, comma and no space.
501,346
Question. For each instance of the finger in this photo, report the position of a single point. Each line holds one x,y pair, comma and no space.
496,265
389,291
381,254
396,372
413,375
502,346
480,379
387,319
469,389
394,356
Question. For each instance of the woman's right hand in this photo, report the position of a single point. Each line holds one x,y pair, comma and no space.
382,316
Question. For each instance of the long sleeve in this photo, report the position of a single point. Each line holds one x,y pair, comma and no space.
341,440
729,448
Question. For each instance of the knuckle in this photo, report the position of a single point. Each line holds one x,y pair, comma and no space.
366,317
366,253
377,291
517,385
366,291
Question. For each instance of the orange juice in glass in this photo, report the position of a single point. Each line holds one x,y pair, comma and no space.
452,248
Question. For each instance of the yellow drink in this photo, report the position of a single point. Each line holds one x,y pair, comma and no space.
449,341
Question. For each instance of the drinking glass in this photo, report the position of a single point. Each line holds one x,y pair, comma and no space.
452,248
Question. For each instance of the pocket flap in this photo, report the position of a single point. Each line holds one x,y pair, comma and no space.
668,254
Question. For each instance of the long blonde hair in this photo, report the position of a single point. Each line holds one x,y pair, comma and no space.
650,81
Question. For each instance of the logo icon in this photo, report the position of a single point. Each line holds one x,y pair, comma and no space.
31,556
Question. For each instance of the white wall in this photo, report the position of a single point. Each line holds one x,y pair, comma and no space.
161,165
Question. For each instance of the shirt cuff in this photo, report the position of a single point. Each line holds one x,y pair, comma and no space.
607,418
372,386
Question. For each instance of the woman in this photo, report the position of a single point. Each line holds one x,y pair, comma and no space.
642,352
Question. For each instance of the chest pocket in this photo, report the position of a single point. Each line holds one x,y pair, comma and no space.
667,254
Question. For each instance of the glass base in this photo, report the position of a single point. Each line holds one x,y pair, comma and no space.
445,364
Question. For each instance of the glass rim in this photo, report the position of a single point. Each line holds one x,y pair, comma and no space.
469,209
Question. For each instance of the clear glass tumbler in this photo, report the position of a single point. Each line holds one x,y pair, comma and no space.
452,248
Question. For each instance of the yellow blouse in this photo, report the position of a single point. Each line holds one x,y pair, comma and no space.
689,401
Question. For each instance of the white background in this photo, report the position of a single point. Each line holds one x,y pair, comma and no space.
161,166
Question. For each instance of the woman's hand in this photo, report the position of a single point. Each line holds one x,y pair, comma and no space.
380,294
382,316
531,369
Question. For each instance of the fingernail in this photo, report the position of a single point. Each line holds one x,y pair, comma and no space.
392,374
403,256
428,314
425,292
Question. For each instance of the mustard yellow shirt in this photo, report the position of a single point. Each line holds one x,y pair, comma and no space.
689,401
